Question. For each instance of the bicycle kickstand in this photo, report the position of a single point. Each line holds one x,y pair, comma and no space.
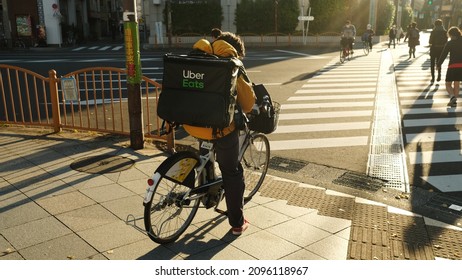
222,212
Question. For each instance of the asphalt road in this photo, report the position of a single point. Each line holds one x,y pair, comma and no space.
327,106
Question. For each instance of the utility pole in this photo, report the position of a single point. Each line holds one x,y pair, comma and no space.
169,22
399,13
455,12
133,65
276,19
373,14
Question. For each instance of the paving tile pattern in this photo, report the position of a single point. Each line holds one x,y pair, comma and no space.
50,211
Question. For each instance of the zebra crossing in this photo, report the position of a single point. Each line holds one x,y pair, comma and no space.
338,100
99,48
431,129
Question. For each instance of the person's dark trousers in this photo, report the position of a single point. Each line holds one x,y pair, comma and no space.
434,55
227,150
392,41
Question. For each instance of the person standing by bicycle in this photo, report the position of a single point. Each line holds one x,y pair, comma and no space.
348,35
226,142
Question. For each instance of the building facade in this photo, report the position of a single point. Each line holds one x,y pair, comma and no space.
56,22
53,22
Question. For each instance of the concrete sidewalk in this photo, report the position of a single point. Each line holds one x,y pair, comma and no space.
53,206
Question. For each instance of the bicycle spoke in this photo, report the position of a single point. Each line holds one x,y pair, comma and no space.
168,213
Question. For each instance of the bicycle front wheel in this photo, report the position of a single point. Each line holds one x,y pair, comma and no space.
167,211
255,162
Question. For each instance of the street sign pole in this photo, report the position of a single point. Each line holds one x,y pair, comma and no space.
303,24
305,18
133,65
308,25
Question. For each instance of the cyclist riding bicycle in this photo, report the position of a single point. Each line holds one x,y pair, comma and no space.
367,36
227,142
348,35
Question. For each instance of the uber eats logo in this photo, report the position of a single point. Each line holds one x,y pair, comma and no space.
193,80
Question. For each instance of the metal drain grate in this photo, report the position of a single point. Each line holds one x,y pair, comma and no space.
359,181
286,165
386,157
387,149
446,204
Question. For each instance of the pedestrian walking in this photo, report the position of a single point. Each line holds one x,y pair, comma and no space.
413,36
399,34
392,37
454,72
438,38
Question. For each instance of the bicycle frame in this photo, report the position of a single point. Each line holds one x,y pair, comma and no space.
204,184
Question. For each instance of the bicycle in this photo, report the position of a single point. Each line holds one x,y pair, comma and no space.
366,47
186,179
345,52
19,43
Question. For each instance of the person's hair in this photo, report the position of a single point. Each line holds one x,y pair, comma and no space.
348,22
234,41
438,22
454,31
216,32
413,24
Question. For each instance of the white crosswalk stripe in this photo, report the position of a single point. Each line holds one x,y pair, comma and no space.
339,98
432,129
99,48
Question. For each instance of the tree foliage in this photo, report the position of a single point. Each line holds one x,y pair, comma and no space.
259,16
385,17
330,15
198,16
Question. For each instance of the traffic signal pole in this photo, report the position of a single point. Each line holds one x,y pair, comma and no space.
133,66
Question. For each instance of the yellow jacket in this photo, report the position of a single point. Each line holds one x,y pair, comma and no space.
245,94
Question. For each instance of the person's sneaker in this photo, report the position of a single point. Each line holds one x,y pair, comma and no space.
239,230
452,101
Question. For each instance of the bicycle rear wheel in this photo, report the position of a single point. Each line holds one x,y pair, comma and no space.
366,47
255,162
167,214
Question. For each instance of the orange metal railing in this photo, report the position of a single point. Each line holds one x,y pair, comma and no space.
29,98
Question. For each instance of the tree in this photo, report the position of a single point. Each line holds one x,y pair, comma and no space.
330,15
259,16
195,16
385,17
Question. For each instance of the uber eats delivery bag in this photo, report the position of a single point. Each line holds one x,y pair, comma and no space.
198,90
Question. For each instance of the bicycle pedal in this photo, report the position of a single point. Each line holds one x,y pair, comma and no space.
223,212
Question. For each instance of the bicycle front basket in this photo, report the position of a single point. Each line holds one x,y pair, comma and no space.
266,123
